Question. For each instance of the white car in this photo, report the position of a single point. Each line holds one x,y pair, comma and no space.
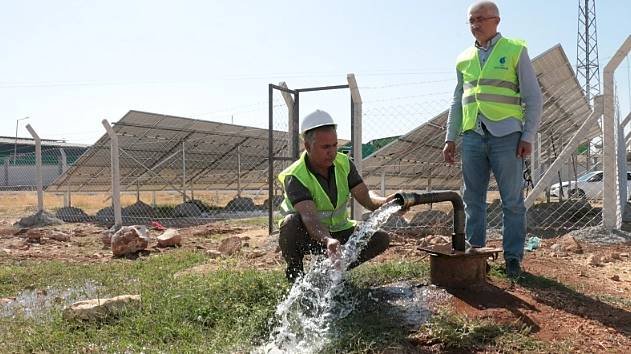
589,185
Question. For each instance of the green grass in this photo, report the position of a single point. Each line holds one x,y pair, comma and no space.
371,274
465,334
224,311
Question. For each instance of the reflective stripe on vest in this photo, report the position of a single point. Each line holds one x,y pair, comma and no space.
493,89
336,218
489,97
491,82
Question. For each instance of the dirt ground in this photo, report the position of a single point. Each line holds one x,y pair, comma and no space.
586,303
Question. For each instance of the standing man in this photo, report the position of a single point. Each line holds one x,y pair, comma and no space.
497,108
317,189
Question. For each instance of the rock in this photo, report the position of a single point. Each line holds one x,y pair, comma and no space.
41,218
615,278
230,245
434,240
240,204
128,240
615,255
106,237
188,209
624,255
567,244
59,236
6,300
596,260
170,238
139,209
71,214
96,309
213,253
34,235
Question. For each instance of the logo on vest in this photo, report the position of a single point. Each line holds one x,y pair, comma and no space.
502,65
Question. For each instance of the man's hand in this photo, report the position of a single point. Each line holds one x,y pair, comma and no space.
449,152
333,252
524,149
332,247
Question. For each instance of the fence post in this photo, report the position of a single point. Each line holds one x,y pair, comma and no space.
356,134
38,167
612,210
183,173
535,166
64,167
6,172
116,197
292,123
557,164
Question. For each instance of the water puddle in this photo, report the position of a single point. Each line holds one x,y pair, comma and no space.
37,304
318,299
412,304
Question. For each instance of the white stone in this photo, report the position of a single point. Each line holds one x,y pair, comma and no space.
170,237
96,309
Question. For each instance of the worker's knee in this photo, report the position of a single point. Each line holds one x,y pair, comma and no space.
292,234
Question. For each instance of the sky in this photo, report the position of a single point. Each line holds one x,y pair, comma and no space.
69,64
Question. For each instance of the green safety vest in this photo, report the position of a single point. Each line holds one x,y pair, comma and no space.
493,89
336,218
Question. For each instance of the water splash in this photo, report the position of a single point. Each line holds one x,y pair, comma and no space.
303,319
37,304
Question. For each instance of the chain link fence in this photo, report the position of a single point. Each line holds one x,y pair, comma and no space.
176,171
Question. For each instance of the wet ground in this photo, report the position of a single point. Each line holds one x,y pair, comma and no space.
583,297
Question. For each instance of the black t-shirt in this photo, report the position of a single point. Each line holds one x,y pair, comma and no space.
297,192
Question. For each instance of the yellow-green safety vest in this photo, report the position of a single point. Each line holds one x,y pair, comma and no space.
336,218
493,89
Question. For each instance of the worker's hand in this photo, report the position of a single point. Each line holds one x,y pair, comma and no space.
332,247
449,152
333,251
524,149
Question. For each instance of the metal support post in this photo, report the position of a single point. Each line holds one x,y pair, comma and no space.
239,171
64,167
116,197
383,183
6,172
612,210
183,173
571,146
293,141
356,134
38,166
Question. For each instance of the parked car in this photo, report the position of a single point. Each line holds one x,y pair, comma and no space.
588,185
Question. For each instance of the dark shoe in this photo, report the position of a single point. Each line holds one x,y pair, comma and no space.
513,268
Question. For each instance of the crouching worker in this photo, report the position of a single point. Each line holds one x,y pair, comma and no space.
317,190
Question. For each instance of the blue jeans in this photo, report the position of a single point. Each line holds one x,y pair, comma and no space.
480,156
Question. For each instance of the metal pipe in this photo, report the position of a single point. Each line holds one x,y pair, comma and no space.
407,200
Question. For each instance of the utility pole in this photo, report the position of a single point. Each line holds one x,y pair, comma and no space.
587,68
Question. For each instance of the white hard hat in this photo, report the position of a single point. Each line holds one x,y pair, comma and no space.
316,119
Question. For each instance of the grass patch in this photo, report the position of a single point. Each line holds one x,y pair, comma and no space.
227,310
224,311
374,274
466,334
